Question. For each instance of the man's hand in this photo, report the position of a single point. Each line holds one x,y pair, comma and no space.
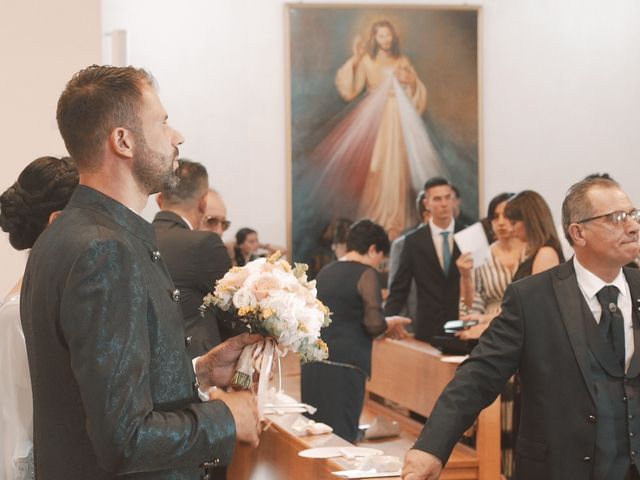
395,327
217,366
419,465
244,408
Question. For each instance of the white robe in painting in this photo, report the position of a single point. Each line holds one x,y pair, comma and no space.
385,138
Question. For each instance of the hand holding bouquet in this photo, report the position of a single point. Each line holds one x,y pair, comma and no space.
278,302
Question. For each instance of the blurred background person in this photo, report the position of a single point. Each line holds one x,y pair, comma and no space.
215,217
339,241
247,247
351,289
482,288
196,260
533,224
458,214
428,257
26,208
409,309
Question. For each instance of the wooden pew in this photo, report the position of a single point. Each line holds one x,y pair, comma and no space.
412,374
413,379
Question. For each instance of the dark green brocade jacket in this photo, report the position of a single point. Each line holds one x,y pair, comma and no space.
113,386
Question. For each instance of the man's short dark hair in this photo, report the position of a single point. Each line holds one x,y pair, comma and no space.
364,233
577,206
193,183
94,102
436,182
420,204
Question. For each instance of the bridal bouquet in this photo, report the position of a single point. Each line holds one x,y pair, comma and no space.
278,302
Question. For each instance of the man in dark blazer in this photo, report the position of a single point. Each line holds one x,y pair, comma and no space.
428,257
115,393
195,259
572,334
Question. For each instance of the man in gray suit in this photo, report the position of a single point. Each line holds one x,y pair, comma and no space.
572,334
115,393
409,309
195,259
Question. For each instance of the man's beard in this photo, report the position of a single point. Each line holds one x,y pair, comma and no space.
153,171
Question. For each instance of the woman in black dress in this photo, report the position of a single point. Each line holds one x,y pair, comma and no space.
351,289
533,224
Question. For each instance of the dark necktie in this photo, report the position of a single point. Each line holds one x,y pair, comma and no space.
446,253
611,321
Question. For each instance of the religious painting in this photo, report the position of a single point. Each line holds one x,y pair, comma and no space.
380,99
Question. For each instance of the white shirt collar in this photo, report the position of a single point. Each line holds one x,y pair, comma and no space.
186,221
591,283
436,230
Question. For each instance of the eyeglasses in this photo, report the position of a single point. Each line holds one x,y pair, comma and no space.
215,221
617,217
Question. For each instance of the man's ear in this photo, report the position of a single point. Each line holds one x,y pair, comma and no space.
121,142
159,200
577,235
202,204
53,215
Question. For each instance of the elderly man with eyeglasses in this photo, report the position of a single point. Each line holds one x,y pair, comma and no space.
215,217
573,335
195,259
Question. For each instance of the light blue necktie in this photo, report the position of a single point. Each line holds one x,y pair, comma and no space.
446,253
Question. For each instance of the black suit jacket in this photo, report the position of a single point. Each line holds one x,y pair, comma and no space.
541,333
196,260
438,295
113,386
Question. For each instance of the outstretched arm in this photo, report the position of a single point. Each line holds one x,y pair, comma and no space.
478,381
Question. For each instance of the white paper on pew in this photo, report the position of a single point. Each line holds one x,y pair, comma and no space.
454,358
365,474
474,241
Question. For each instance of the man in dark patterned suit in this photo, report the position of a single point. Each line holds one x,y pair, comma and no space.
115,393
195,259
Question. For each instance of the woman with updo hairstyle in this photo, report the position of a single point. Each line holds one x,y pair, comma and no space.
26,208
533,224
350,288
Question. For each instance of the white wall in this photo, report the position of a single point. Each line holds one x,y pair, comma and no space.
560,90
41,45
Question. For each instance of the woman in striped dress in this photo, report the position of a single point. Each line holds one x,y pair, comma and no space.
482,289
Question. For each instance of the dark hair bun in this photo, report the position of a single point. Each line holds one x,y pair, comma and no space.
43,187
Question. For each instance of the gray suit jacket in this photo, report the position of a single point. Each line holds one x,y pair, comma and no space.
195,260
113,386
541,334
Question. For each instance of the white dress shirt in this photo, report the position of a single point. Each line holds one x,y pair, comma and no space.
437,239
591,284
